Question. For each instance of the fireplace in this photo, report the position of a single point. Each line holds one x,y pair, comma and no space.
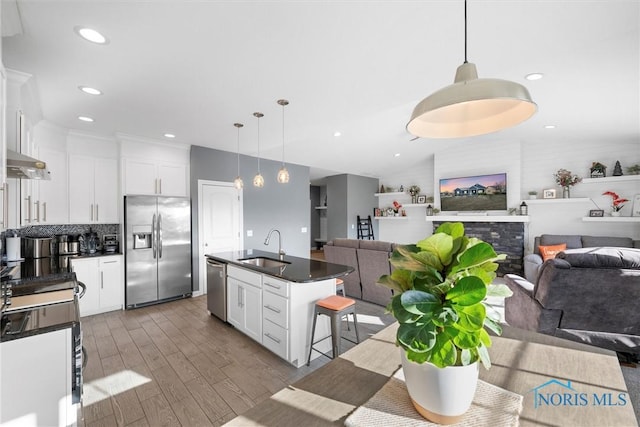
505,237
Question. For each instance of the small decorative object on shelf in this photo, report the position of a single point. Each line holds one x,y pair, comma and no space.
512,211
617,169
566,179
633,170
421,199
635,210
396,208
533,195
549,194
598,170
429,210
524,209
617,203
377,212
596,212
414,190
401,189
381,188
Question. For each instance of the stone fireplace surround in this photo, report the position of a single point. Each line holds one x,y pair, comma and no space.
506,237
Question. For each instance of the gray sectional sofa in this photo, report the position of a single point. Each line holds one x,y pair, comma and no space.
587,294
370,259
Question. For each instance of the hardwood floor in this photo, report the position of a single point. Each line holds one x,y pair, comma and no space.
173,364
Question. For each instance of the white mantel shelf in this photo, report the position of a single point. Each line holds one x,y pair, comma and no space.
569,200
390,217
479,218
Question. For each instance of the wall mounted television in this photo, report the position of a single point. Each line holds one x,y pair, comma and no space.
474,193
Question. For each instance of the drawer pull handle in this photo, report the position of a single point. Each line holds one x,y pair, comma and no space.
272,286
272,338
275,310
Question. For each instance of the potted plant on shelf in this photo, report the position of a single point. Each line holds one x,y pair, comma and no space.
414,190
566,180
440,287
533,195
617,202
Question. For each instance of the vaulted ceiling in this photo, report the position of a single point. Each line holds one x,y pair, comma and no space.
193,68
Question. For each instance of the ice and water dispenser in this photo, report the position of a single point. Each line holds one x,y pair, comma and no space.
142,237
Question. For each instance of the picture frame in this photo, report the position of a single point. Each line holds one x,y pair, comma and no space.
596,212
376,212
549,193
635,209
422,199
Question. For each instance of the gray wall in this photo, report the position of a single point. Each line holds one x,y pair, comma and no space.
281,206
347,197
361,201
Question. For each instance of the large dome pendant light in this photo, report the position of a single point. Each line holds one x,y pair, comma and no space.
283,173
471,106
238,181
258,180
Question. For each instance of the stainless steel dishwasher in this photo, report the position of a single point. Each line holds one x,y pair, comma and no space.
217,289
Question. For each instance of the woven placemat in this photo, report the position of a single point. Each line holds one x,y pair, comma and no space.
391,407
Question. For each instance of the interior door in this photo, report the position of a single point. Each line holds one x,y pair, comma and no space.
220,221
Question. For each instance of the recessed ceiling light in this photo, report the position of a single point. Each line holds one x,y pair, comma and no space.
396,155
169,135
336,134
85,118
550,126
90,90
534,76
91,35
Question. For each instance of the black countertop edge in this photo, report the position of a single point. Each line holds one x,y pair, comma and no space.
39,331
97,254
299,270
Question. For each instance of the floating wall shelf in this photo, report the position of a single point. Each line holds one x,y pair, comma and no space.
394,193
611,218
545,201
611,179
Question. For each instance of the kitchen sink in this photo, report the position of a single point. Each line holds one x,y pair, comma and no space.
264,262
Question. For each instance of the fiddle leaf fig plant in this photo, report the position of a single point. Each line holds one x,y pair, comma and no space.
440,285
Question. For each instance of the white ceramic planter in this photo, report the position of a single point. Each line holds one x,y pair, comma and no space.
441,395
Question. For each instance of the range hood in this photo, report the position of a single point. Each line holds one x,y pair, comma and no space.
25,167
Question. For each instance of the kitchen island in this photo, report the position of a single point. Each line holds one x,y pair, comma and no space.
271,300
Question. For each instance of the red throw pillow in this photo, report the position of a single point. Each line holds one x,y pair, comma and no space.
549,252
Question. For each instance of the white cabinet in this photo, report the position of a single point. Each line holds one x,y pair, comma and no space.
93,190
150,177
103,278
45,202
244,301
36,381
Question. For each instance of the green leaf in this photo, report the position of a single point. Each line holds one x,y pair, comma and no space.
421,303
453,229
465,339
467,291
444,352
485,339
399,280
416,357
471,317
498,290
493,325
466,357
419,337
429,260
476,255
440,244
483,353
402,315
401,258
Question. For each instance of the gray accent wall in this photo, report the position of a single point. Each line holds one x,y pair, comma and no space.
282,206
347,197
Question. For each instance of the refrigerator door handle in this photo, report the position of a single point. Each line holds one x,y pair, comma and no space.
159,235
153,235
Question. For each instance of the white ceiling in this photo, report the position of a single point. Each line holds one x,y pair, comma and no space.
193,68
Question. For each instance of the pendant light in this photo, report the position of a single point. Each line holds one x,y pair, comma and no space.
238,181
283,173
258,180
471,106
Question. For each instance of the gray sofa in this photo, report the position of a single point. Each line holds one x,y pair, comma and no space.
588,295
532,262
370,259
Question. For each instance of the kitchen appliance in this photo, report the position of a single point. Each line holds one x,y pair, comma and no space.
157,249
13,248
217,289
110,243
73,244
89,242
25,167
36,247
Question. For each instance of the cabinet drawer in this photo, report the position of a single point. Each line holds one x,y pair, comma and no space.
274,308
246,276
277,286
275,339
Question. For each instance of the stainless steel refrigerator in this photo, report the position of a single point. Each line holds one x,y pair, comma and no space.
158,249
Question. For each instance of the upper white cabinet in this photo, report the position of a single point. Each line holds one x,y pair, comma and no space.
154,178
93,188
46,201
152,168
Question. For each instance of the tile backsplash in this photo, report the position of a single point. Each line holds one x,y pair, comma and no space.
52,230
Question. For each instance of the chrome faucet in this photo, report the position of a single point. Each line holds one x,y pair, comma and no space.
266,242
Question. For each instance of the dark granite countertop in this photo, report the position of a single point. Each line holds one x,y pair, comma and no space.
39,320
300,270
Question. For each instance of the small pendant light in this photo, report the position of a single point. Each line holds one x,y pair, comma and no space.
283,173
258,180
238,181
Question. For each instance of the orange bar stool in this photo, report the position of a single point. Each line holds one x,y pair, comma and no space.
335,307
340,287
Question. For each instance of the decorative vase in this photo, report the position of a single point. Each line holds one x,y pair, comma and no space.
565,193
615,213
441,395
414,199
